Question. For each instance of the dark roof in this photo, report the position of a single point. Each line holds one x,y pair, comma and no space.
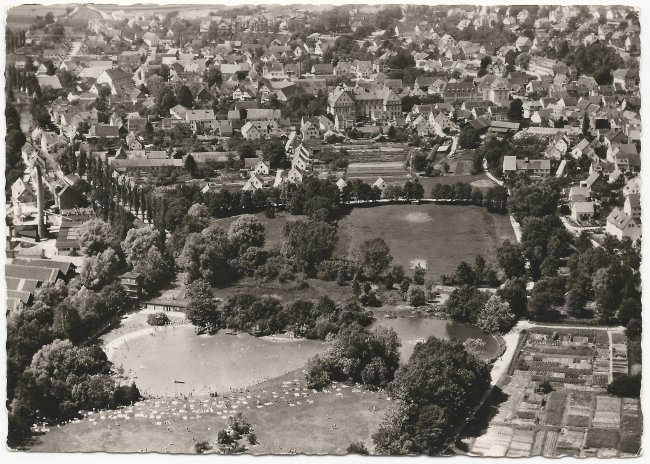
62,266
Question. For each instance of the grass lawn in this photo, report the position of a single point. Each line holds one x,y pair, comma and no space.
328,424
442,235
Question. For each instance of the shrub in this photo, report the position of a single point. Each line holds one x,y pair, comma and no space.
201,447
357,448
317,374
415,296
158,319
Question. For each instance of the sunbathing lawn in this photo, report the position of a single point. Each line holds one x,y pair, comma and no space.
441,235
327,425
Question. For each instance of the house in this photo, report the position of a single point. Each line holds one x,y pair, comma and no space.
253,183
117,79
632,206
151,39
523,44
633,186
132,283
309,131
627,78
460,91
582,211
250,132
49,82
103,131
579,193
380,183
295,175
619,224
583,148
537,168
262,168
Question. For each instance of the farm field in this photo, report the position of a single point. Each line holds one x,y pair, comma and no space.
576,418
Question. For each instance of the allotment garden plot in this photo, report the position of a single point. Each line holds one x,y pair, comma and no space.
576,418
370,161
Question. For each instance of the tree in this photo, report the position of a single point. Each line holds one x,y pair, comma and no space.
99,269
496,200
419,162
603,76
586,125
308,242
516,110
206,255
474,346
374,255
190,165
202,308
96,236
625,385
469,138
513,291
246,150
273,152
532,200
367,356
138,241
415,296
185,97
465,303
495,316
419,274
547,295
246,231
511,260
437,389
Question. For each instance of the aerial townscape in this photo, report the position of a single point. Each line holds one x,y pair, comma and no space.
316,229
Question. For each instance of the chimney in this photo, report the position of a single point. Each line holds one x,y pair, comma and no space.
40,204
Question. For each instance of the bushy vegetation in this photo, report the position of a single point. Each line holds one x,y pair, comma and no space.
158,319
370,357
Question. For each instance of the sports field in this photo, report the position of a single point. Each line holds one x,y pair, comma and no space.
439,235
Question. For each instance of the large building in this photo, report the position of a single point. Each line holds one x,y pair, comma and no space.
355,103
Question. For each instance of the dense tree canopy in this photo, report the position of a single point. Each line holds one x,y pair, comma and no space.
438,388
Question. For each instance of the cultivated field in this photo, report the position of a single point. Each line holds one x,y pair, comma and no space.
577,418
370,161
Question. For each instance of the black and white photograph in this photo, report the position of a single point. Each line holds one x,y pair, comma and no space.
323,229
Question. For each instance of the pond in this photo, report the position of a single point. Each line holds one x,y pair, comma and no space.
412,330
173,360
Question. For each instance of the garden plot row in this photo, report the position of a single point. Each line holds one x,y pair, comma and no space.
619,358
